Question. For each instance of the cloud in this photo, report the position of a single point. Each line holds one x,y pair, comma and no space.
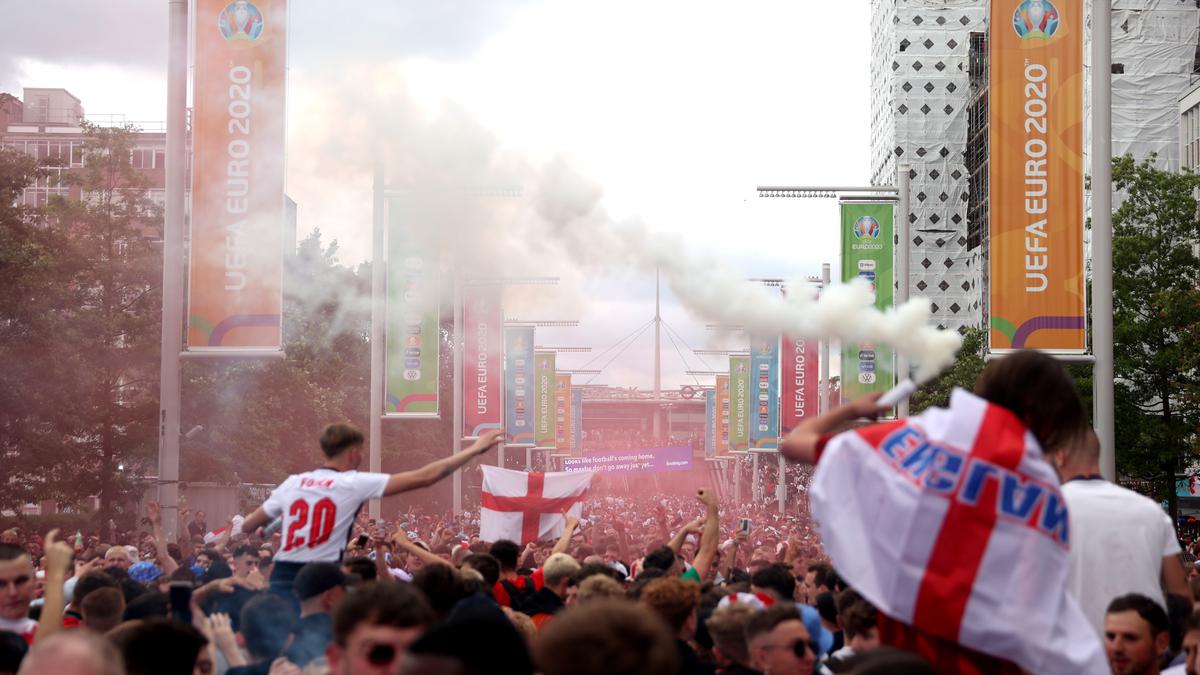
130,34
448,30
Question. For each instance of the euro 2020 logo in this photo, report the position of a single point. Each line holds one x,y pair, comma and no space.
866,226
241,21
1036,19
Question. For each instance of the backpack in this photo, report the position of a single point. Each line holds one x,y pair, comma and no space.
519,595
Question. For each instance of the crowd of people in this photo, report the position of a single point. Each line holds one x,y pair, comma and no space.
636,583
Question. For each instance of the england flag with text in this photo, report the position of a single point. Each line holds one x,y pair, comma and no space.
525,507
951,522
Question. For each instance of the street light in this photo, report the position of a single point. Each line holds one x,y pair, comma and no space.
897,193
541,324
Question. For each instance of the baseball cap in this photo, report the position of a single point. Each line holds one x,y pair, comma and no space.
317,577
144,571
811,619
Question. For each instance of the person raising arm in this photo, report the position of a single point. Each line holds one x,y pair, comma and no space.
708,539
806,442
712,531
318,508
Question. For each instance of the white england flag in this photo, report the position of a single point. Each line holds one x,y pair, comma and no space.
525,507
952,522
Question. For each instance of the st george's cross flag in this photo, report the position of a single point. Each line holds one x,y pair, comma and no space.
526,507
951,522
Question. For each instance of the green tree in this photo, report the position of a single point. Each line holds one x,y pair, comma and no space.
85,373
967,366
31,266
1156,314
262,418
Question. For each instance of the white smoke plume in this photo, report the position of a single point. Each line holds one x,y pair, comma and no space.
559,224
716,293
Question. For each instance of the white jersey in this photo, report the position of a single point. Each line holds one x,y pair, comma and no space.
318,509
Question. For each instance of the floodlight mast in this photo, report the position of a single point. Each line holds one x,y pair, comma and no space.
895,193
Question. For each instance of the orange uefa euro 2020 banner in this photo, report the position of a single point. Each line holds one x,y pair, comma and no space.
235,295
1036,170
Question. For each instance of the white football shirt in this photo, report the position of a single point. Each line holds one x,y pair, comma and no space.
1118,541
318,509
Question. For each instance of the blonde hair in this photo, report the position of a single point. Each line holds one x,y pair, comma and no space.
559,567
124,551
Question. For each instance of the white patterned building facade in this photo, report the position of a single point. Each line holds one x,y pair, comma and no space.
919,84
929,112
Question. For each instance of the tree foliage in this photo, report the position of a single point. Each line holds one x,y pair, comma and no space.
1156,316
967,366
30,265
84,361
261,419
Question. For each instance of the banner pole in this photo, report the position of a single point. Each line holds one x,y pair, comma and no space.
378,283
902,261
780,492
824,349
170,395
755,479
1102,282
457,433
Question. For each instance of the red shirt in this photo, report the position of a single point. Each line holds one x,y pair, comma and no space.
500,594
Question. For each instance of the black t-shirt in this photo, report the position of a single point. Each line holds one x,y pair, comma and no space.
689,662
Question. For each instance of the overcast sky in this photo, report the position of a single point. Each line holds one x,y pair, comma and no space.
678,110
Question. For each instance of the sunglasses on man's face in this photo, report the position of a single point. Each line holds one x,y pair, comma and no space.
799,646
381,655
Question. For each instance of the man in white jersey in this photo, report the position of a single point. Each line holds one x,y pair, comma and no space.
318,507
1121,542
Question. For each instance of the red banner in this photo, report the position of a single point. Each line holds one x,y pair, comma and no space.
484,349
235,297
799,376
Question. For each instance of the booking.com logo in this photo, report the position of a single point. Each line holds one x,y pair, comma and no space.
1036,19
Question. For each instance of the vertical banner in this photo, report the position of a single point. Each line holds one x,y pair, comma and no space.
413,341
483,328
562,405
799,380
1036,264
867,254
722,404
576,421
543,399
739,403
518,384
764,383
710,424
235,297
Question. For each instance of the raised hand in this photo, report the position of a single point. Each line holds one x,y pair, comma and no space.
868,406
223,635
488,440
58,554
